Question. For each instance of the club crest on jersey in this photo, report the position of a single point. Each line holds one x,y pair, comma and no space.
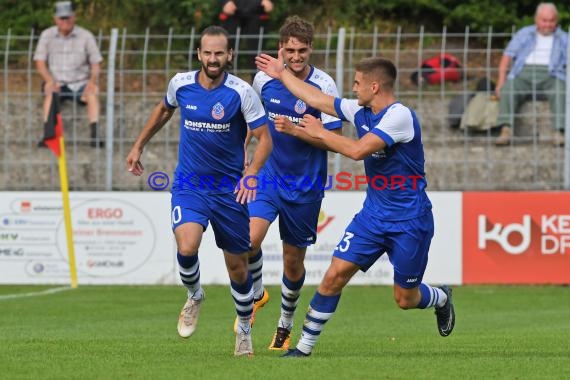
218,111
300,106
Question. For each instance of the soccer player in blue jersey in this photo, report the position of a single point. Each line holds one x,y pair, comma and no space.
395,219
292,182
216,110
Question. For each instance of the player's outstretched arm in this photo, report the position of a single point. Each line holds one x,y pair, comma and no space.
284,125
304,91
159,116
355,149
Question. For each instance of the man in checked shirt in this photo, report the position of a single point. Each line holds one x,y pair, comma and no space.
68,60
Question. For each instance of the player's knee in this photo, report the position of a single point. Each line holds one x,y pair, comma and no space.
187,249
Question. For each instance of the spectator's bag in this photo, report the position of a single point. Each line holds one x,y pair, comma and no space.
481,112
438,69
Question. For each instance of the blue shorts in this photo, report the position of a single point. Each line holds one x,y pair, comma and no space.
407,243
229,218
297,221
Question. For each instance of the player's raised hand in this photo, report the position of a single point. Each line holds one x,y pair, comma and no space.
269,65
312,126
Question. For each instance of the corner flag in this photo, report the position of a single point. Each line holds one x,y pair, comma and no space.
53,138
53,127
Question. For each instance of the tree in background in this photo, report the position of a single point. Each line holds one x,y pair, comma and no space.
181,15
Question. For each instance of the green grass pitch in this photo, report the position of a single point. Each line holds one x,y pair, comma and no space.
129,332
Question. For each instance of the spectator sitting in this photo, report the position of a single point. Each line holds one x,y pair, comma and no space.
68,60
538,56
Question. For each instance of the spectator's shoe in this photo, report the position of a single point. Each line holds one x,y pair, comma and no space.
281,340
505,136
257,304
188,319
42,144
559,139
243,344
295,353
445,314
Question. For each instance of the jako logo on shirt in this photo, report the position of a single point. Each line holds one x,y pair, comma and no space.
300,106
218,111
501,234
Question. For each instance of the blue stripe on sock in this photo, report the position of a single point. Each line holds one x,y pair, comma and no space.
255,258
325,304
186,261
242,288
294,285
425,293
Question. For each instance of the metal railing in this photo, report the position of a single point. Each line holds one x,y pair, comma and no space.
137,68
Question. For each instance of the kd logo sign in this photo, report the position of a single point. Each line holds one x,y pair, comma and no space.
501,234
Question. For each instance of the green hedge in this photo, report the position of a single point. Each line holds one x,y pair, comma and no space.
160,15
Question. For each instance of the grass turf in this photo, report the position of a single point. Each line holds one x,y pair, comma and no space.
129,332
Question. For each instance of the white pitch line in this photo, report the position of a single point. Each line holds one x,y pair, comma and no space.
33,294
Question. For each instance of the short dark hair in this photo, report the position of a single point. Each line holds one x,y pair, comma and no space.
215,30
379,68
296,27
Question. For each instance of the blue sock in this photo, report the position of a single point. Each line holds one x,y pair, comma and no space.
189,270
321,310
290,292
255,266
243,300
431,296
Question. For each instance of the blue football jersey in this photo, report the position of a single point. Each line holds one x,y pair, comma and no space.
396,190
299,168
213,126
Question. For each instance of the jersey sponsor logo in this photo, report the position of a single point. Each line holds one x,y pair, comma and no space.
218,111
300,106
201,126
272,116
276,101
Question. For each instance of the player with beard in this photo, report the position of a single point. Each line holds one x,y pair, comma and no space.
294,176
210,185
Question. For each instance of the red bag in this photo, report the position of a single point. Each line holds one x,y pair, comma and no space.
446,68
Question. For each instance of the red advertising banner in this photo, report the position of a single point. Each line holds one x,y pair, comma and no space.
516,238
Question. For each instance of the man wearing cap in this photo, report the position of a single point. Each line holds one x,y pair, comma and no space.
68,59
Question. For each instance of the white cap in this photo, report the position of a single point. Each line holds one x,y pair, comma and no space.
64,9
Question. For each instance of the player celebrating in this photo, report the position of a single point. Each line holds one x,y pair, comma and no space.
293,163
216,110
398,219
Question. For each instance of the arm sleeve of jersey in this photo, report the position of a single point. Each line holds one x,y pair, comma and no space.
346,108
330,122
252,109
170,98
397,125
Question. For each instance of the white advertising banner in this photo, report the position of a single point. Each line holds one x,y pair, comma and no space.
337,211
119,238
125,238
